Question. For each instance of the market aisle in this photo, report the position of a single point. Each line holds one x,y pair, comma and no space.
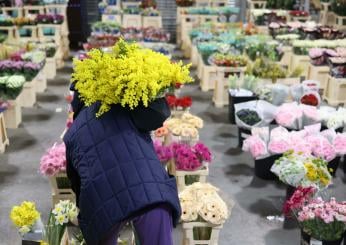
19,175
231,170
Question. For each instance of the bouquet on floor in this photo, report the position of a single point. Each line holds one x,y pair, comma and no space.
25,217
324,220
201,202
296,169
185,127
131,76
54,160
254,114
295,116
11,87
63,213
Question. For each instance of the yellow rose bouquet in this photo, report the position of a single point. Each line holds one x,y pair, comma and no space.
24,217
127,75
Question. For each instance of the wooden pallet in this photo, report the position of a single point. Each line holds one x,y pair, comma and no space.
220,97
13,115
3,134
335,93
188,234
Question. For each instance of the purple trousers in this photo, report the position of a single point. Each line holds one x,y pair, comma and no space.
154,227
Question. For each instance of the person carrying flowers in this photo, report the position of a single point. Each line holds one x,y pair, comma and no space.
110,156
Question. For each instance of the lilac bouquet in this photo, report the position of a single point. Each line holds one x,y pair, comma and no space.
30,70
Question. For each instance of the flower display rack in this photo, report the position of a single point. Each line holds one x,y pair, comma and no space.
287,56
208,77
12,11
188,234
28,95
132,20
56,35
185,178
112,17
33,10
319,73
340,22
61,189
33,33
335,92
302,61
194,55
3,134
254,5
41,82
50,68
325,13
152,21
299,18
13,114
130,4
220,97
11,32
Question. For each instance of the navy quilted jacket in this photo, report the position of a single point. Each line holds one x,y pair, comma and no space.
120,174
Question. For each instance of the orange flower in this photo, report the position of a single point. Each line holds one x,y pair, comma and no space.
161,132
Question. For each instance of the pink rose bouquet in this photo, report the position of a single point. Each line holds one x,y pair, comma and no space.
54,161
256,146
340,144
289,115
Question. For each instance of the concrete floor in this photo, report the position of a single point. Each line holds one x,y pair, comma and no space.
231,170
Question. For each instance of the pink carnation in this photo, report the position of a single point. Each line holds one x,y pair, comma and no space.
340,144
54,161
256,146
278,146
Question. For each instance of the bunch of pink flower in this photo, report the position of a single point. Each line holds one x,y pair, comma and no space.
340,144
190,158
321,147
256,146
54,161
299,198
164,153
326,211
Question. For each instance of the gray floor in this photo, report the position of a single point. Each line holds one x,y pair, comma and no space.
231,171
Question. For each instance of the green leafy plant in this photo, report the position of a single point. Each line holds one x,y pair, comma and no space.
339,7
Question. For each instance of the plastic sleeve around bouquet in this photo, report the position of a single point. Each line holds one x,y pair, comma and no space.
264,109
289,172
279,94
151,117
289,115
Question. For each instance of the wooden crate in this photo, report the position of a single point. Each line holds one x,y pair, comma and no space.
41,82
188,238
50,68
33,37
3,134
132,20
57,33
220,97
130,4
59,193
287,56
324,13
13,115
181,177
112,17
340,22
335,92
152,21
302,61
200,64
194,55
9,10
30,11
208,77
28,95
11,32
319,73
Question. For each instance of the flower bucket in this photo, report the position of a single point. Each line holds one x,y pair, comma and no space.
242,135
263,166
235,100
306,239
289,191
333,165
200,233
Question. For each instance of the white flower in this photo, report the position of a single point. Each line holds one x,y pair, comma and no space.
61,219
24,229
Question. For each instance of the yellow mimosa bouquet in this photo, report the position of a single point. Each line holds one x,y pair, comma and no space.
128,75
